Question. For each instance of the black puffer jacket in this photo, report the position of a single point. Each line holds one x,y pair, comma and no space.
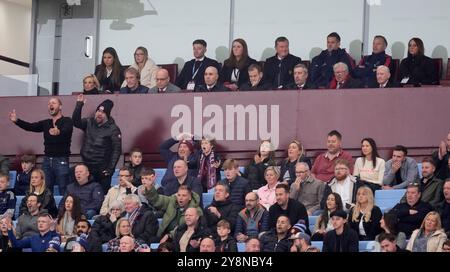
102,145
254,173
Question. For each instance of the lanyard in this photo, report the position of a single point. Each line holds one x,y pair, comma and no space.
196,71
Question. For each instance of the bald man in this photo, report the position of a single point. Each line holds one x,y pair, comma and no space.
212,83
163,84
181,177
383,78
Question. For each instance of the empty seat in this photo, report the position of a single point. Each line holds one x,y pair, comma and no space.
12,178
366,246
438,63
241,247
159,221
115,178
387,199
154,246
160,172
91,222
207,199
312,222
318,244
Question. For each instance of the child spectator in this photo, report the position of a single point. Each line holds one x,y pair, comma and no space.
27,162
225,242
209,164
7,197
136,166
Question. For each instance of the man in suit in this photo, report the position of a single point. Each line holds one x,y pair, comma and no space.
163,84
342,78
211,82
278,69
383,78
193,70
255,83
300,79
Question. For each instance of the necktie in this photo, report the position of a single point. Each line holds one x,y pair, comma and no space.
339,85
196,65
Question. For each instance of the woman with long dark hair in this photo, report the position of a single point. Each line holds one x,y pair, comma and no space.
323,223
389,224
370,167
110,73
68,215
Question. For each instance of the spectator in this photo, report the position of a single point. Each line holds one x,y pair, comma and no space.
165,247
148,177
301,81
253,245
7,197
123,228
383,79
68,214
446,246
255,82
417,68
89,192
266,193
370,167
84,232
4,164
27,163
208,164
413,211
442,159
444,208
181,177
239,186
400,170
321,71
110,73
278,69
118,192
296,153
344,184
234,70
132,83
306,189
185,152
225,242
39,188
127,244
193,71
91,85
207,244
254,172
163,84
102,144
276,239
429,237
365,216
144,224
388,243
301,242
57,139
368,66
252,220
342,78
5,242
212,83
104,226
187,237
389,225
342,238
221,207
145,66
288,207
47,239
26,225
323,168
324,222
173,207
431,187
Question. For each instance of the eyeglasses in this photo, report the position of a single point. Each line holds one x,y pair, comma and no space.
341,169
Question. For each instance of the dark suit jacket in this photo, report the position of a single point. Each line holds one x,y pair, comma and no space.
294,86
390,84
217,88
262,86
227,71
350,83
285,67
186,74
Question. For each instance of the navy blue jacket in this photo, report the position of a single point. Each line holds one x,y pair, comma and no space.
22,184
90,194
186,73
280,72
321,69
366,69
139,90
239,188
172,185
37,243
7,202
170,157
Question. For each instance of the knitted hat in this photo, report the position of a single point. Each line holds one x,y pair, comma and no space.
300,226
106,107
188,144
54,244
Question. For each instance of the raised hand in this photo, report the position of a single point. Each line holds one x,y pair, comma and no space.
80,98
13,116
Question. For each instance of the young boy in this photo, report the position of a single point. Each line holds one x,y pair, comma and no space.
7,197
135,164
225,242
23,179
209,164
148,176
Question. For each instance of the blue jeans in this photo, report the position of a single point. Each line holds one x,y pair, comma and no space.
56,171
90,213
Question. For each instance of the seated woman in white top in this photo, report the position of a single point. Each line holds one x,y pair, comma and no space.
323,223
430,237
370,167
146,67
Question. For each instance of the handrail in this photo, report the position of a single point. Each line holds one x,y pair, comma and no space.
14,61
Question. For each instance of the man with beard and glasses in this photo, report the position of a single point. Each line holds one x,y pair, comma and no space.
57,139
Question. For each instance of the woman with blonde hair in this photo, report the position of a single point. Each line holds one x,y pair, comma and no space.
429,237
45,196
145,66
267,193
254,172
296,153
91,85
365,217
123,228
